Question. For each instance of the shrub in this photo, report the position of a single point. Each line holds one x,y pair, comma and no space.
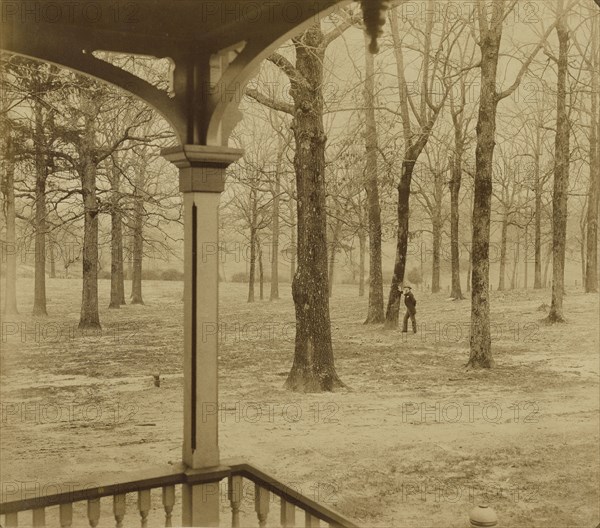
414,276
241,276
172,275
151,274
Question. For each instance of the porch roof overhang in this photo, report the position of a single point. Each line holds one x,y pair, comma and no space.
159,28
189,32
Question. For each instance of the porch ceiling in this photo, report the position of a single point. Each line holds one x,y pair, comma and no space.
154,27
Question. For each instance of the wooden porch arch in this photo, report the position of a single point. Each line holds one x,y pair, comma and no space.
199,36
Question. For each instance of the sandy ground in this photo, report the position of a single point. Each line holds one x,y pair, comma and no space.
415,441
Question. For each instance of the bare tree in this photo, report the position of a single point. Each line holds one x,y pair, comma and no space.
561,170
461,122
117,275
435,71
375,313
430,187
489,38
591,266
313,367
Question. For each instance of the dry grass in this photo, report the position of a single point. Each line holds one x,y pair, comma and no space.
390,451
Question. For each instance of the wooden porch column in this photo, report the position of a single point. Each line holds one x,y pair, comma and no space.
201,179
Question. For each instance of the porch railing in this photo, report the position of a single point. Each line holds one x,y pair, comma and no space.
231,480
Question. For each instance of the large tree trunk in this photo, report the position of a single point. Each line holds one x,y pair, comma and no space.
117,277
41,174
137,254
480,341
89,317
455,183
8,190
274,293
393,307
313,368
561,179
591,257
503,244
375,308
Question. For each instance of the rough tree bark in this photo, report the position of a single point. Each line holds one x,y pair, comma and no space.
561,175
403,211
89,317
375,308
490,36
313,367
117,276
480,341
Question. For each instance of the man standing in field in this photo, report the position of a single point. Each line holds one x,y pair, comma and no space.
411,309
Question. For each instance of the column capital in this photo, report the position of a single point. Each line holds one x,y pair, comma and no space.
201,167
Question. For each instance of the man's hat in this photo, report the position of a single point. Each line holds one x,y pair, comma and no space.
408,287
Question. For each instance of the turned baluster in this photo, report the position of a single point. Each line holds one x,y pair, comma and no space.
93,512
261,504
12,520
168,499
39,517
144,506
66,515
119,508
288,514
235,495
310,521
